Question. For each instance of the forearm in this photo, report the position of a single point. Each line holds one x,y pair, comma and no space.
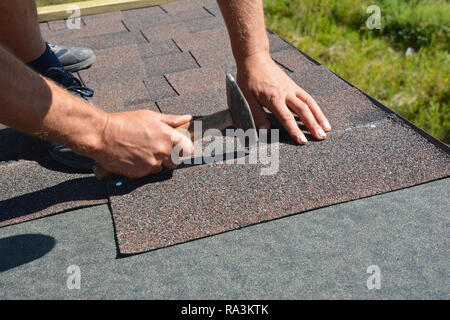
245,24
37,106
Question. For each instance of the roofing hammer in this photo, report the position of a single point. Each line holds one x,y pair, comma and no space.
238,115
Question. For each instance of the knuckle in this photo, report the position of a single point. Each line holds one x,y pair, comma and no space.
272,95
153,163
162,150
286,116
309,100
302,107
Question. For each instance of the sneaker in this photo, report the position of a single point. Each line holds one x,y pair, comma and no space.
58,152
73,58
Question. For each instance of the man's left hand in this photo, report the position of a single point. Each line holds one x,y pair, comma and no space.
263,83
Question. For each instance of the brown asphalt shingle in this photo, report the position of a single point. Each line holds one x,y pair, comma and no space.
197,80
30,190
174,58
198,201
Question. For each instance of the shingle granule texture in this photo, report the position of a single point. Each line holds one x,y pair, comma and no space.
173,58
197,104
30,190
198,80
197,201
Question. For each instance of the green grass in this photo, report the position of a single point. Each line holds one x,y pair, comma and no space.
41,3
334,32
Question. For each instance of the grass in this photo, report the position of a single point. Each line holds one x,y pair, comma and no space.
41,3
334,32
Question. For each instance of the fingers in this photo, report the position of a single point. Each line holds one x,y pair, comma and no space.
314,108
260,117
156,168
287,119
167,163
181,146
175,146
175,120
304,112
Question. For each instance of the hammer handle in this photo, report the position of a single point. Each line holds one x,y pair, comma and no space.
219,120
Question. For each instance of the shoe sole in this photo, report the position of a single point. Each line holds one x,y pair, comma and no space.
80,65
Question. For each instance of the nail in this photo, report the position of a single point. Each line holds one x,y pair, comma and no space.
321,133
302,140
327,126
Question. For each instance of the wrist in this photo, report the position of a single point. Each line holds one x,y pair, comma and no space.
250,61
90,140
96,142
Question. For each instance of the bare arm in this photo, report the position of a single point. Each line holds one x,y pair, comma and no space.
37,106
261,79
131,143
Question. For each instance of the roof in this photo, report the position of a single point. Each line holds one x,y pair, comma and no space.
173,59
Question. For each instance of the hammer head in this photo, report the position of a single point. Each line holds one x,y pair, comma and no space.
240,111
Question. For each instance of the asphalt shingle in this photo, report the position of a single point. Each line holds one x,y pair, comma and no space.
159,88
177,55
156,48
139,19
213,58
196,104
197,80
197,201
104,41
207,23
88,27
117,97
214,39
292,60
30,190
165,31
118,64
318,80
175,62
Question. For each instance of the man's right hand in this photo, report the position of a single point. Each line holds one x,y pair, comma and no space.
137,143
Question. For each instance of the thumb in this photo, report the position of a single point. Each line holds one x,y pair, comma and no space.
175,120
182,144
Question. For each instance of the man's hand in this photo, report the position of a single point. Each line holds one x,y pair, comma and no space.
261,80
264,84
138,143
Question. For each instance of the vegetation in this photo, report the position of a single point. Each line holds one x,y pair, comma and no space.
334,32
41,3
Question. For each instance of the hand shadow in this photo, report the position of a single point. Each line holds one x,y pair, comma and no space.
20,249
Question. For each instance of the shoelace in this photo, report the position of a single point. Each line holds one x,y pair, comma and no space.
69,82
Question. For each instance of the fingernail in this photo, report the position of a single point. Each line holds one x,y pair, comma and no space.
321,133
302,140
327,126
